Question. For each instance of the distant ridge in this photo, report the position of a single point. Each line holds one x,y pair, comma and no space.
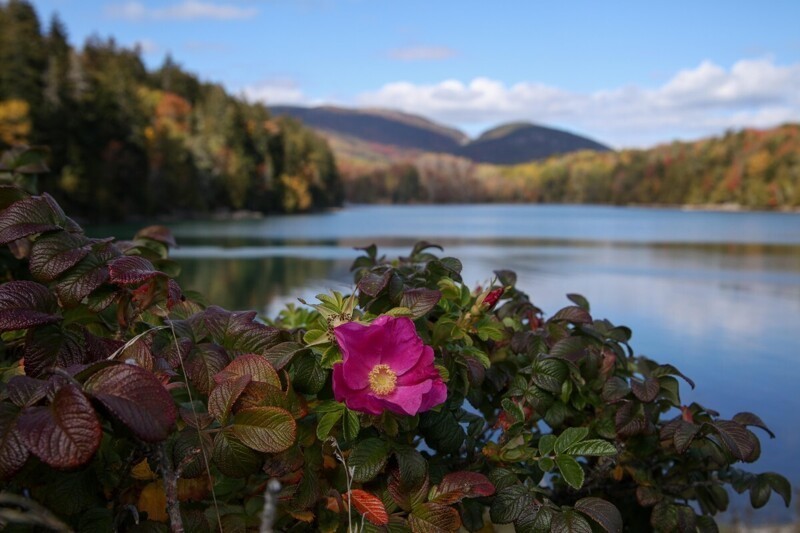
507,144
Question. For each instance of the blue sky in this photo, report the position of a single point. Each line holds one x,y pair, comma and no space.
625,73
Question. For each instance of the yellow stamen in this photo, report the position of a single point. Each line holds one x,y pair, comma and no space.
382,380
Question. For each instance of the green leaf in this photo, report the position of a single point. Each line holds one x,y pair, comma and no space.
569,437
592,448
265,429
307,374
368,459
238,332
282,354
509,503
760,492
412,466
534,520
326,423
780,485
442,431
549,374
351,425
546,464
615,389
602,512
582,302
571,470
434,518
232,457
569,522
547,444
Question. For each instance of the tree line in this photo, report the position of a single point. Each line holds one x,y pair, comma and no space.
128,141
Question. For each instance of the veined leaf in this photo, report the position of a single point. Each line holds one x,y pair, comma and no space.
368,459
52,255
571,470
592,448
131,270
509,503
232,457
420,301
569,522
569,437
238,332
35,214
85,277
136,398
602,512
368,505
64,434
255,366
434,518
456,486
13,452
265,429
25,304
224,395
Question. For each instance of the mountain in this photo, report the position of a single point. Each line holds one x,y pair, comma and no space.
521,142
372,135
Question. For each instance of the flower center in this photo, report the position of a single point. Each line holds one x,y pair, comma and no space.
382,380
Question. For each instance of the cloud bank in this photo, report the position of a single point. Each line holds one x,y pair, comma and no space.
186,10
696,102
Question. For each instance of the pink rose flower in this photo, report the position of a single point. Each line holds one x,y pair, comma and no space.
385,365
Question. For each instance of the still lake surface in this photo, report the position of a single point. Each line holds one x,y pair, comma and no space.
717,294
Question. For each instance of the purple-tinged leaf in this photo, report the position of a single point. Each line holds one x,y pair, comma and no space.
602,512
174,294
255,366
51,346
25,391
372,284
174,353
420,301
13,452
628,421
684,435
669,370
749,419
615,389
573,314
27,217
224,395
85,277
736,438
204,362
160,234
456,486
52,255
570,348
265,429
282,354
25,304
10,193
131,270
646,390
135,397
238,333
64,434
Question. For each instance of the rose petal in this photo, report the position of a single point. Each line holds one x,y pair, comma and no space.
407,399
357,400
356,343
402,348
423,370
434,397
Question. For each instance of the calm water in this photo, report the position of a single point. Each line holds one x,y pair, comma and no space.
716,294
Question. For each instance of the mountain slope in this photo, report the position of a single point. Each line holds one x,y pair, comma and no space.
383,134
516,143
379,126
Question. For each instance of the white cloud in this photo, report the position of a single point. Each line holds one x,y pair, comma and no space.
422,53
695,102
276,92
186,10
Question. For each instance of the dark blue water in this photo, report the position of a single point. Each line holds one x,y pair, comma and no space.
716,294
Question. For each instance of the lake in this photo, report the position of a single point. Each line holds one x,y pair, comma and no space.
717,294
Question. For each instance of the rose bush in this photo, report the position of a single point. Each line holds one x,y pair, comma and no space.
412,404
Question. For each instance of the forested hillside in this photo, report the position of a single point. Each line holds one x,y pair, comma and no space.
126,141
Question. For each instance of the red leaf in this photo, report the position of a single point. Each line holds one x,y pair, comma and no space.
25,304
224,395
434,518
369,505
204,362
136,398
64,434
255,366
238,333
13,452
459,485
27,217
52,255
174,294
25,391
87,276
130,270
